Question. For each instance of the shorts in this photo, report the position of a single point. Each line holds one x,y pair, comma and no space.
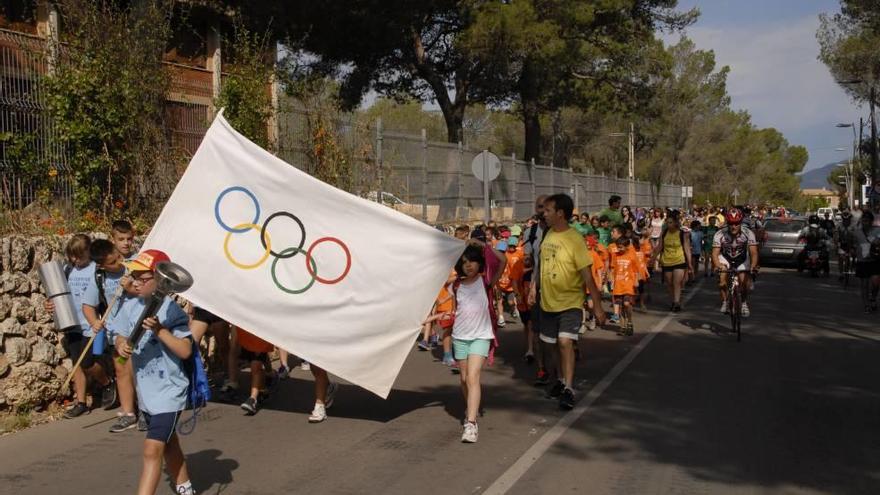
641,287
867,269
74,343
622,299
161,426
525,316
446,323
474,347
746,265
670,269
206,316
249,356
564,324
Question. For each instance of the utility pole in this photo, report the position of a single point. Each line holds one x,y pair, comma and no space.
874,157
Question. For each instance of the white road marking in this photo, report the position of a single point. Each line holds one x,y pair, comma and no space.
507,479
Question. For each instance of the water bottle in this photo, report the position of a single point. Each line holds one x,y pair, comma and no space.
99,343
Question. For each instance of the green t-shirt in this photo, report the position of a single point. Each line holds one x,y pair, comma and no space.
708,237
604,236
615,216
582,229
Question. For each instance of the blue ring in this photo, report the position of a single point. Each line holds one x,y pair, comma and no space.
217,209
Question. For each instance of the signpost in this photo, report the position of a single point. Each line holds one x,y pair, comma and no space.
736,195
486,167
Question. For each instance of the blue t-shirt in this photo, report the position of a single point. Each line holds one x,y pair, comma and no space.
160,379
696,242
111,283
78,281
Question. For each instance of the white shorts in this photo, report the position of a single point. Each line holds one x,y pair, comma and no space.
746,266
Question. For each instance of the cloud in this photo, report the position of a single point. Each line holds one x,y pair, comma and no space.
776,76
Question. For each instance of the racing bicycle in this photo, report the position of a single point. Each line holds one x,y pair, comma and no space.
734,301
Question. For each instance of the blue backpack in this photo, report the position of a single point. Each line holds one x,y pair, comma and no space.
199,391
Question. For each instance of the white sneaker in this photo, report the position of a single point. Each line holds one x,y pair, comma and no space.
319,414
501,322
724,307
591,324
470,433
305,366
331,394
745,310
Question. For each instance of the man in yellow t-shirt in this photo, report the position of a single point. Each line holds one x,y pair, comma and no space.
564,272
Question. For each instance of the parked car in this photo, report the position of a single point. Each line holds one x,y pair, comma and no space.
780,240
387,198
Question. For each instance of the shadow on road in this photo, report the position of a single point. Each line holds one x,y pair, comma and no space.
210,473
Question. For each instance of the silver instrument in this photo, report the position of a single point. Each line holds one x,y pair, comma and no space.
58,291
171,278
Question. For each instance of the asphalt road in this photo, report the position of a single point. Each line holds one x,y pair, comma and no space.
793,408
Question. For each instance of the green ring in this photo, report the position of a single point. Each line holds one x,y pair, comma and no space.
275,278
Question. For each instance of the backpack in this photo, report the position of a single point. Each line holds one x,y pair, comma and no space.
199,391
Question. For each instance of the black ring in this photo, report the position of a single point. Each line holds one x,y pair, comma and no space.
302,240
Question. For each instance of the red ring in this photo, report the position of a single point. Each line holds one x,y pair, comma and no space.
347,260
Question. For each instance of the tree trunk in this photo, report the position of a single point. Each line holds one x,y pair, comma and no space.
531,112
454,116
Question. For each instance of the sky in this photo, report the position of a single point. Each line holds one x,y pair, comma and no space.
771,48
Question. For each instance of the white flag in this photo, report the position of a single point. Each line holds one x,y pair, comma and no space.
333,278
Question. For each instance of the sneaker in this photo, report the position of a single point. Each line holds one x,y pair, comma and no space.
470,433
724,309
566,399
433,341
455,368
424,346
448,361
283,372
319,414
555,391
331,394
124,422
744,311
515,314
542,379
142,422
676,308
305,366
501,322
529,358
77,410
615,318
630,330
250,406
109,397
591,324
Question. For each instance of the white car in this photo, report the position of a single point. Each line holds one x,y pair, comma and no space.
387,198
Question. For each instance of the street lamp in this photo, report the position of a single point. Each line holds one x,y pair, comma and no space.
874,157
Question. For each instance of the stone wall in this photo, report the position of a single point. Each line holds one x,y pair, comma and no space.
33,363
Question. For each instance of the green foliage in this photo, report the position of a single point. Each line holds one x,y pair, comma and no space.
106,98
245,92
848,44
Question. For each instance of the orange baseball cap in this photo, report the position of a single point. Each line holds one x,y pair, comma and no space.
146,261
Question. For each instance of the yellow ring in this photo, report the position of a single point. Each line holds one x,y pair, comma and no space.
242,265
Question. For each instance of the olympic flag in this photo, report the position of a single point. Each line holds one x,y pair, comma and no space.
338,280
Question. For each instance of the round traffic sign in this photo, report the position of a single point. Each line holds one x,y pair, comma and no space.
488,161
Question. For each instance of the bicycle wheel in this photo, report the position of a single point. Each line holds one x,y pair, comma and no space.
735,311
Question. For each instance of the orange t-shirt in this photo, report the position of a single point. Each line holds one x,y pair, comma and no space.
444,300
251,342
513,270
625,268
597,269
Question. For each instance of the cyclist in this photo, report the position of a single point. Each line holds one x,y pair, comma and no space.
735,249
843,240
814,238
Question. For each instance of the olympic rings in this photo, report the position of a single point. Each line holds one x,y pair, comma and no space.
347,260
302,240
314,268
217,209
247,226
266,242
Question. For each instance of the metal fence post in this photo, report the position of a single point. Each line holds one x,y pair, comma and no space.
424,176
533,177
514,189
379,159
577,188
460,180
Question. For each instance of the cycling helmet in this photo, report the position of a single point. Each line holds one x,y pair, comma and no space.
734,216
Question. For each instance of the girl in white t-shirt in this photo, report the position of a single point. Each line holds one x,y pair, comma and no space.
473,331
